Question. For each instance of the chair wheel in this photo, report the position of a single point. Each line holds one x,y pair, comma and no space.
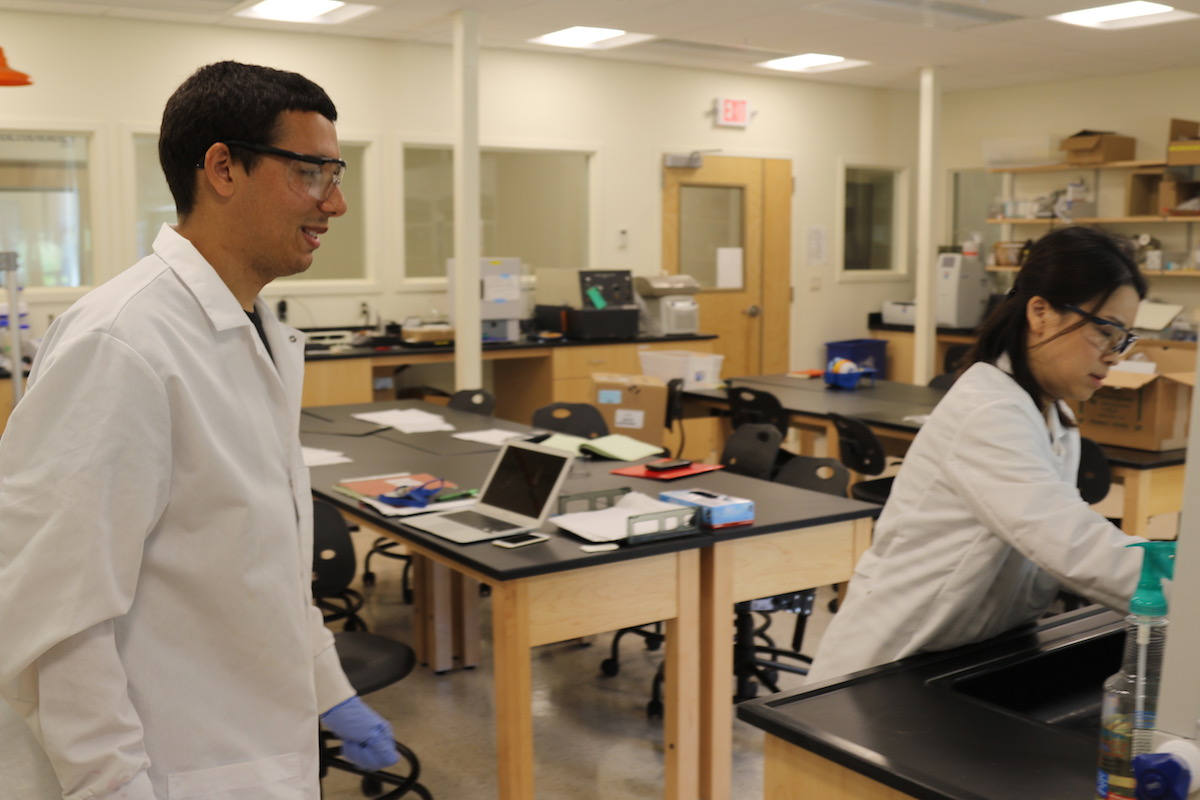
833,606
654,644
654,709
610,667
371,786
771,676
368,579
353,624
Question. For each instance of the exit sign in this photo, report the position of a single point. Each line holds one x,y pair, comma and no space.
730,112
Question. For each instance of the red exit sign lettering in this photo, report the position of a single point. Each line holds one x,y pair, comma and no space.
731,112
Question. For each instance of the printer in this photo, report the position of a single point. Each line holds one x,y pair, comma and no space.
960,290
500,307
668,305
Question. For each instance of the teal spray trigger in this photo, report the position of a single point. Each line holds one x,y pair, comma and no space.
1158,563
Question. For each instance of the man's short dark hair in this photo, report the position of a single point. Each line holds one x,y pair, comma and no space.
228,100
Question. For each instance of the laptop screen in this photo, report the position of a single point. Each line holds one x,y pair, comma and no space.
523,480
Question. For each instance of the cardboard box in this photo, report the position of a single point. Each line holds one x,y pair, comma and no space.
1145,411
1183,143
1096,147
635,405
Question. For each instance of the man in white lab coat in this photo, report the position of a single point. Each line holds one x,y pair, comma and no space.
157,630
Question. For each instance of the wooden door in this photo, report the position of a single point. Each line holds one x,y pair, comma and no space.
726,211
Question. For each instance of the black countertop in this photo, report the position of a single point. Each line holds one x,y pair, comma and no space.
374,451
904,726
366,352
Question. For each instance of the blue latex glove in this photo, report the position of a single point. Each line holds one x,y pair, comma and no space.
367,739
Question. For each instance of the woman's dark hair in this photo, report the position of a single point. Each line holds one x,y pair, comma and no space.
1071,266
228,100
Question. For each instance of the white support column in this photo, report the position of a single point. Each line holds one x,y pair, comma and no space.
468,333
928,194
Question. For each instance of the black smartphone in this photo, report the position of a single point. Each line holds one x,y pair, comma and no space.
520,540
671,463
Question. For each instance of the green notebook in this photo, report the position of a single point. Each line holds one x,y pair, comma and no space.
616,446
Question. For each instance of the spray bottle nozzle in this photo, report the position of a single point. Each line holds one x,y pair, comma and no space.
1158,562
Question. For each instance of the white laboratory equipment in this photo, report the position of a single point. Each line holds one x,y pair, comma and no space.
667,304
961,290
8,269
500,307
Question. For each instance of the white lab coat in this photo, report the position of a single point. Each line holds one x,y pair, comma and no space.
158,633
982,525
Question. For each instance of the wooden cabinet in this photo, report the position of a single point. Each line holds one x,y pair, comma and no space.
901,351
5,401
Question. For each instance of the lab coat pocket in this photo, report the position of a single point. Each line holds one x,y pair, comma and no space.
273,778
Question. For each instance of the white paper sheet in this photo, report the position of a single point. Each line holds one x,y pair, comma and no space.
407,420
318,457
611,524
729,268
496,436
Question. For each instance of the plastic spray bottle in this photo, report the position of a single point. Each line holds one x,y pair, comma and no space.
1131,695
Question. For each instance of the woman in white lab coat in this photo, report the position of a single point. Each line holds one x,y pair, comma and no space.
984,522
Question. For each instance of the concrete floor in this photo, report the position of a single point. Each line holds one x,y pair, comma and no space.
592,737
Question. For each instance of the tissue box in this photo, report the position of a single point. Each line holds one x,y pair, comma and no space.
715,510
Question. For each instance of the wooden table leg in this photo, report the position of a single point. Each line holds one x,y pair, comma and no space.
716,669
438,617
681,684
513,689
420,583
465,615
1135,517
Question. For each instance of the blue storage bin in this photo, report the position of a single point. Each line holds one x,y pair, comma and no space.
867,353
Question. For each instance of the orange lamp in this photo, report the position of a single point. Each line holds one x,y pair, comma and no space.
9,76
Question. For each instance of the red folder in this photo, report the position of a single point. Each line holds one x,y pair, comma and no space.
640,471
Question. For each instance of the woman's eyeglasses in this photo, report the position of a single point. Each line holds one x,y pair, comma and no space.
1119,338
312,175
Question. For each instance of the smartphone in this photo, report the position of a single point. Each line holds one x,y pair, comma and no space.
673,463
520,540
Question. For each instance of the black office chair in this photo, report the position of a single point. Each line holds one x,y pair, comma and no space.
954,356
756,407
943,381
577,419
826,475
752,450
860,450
1095,477
477,401
371,662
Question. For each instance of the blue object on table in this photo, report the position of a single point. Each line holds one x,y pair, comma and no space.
715,509
416,497
867,353
1161,776
367,738
847,380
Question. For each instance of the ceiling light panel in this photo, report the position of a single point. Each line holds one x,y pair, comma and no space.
323,12
811,62
1117,16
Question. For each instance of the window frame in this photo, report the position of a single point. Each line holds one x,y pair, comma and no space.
100,180
591,150
899,269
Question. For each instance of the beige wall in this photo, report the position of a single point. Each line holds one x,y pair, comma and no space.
113,76
1138,105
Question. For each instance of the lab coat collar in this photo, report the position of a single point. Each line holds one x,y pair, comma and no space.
218,302
1055,412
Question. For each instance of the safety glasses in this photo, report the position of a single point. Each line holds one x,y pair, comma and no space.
312,175
1118,338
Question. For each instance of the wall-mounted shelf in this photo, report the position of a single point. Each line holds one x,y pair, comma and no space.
1077,167
1143,220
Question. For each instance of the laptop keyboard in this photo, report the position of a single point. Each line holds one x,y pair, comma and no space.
480,521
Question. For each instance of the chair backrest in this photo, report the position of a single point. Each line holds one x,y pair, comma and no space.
955,353
1095,477
333,551
943,381
752,450
674,402
858,446
578,419
753,406
478,401
818,474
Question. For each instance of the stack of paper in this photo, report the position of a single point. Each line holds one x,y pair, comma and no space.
317,457
611,524
496,436
407,420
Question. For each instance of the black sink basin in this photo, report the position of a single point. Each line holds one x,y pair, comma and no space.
1059,687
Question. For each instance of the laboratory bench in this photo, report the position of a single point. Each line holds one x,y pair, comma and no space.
1012,718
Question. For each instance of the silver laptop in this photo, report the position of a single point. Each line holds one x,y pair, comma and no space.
516,497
